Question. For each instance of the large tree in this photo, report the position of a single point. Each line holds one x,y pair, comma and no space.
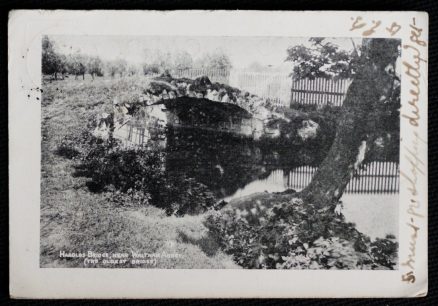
122,66
156,61
323,59
95,66
77,64
374,84
215,60
51,61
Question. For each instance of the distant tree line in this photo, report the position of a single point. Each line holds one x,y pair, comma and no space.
158,61
59,65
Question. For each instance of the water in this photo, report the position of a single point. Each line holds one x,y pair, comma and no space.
275,182
233,167
374,213
373,178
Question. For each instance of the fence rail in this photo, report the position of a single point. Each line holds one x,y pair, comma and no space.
215,75
375,177
276,86
273,86
320,91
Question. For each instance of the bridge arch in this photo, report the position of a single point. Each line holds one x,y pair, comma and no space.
189,103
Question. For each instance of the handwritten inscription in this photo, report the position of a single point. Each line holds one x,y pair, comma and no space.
413,69
393,29
360,24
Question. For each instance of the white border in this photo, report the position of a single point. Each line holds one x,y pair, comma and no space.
27,280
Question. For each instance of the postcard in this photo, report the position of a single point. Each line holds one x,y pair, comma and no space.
218,154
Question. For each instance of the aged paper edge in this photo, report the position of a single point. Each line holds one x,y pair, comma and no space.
27,280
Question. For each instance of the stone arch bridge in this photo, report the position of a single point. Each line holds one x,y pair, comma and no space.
186,103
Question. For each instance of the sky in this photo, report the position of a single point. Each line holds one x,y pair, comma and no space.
268,51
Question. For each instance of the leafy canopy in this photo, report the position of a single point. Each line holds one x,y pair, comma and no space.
322,60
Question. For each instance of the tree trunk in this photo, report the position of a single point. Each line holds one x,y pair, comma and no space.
371,85
83,76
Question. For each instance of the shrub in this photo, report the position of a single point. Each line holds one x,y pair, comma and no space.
132,197
183,195
109,163
150,69
289,235
134,176
67,148
384,251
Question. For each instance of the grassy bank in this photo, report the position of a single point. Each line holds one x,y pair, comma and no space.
74,219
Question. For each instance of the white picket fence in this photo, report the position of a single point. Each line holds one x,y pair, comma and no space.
215,75
273,86
320,91
276,86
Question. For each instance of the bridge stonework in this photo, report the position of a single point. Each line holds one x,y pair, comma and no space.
186,103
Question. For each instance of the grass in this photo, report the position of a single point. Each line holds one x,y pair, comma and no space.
73,219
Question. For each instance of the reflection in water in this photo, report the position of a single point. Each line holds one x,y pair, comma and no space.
374,213
275,182
375,177
226,163
217,160
233,167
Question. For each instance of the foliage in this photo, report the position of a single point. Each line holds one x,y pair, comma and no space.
132,197
51,60
156,61
118,66
215,60
135,176
289,143
183,60
290,235
182,195
383,251
95,66
77,64
122,66
150,69
111,68
67,148
322,59
132,70
325,59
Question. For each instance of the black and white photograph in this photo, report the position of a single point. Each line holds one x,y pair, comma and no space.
220,152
